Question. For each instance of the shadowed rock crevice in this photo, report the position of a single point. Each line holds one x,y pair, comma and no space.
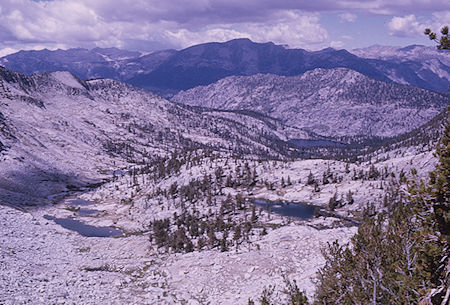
34,186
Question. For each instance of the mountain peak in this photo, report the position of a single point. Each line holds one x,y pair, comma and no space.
240,40
247,42
329,49
237,43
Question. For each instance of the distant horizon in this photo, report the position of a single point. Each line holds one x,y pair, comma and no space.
148,26
179,49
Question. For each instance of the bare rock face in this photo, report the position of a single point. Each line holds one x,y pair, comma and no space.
329,102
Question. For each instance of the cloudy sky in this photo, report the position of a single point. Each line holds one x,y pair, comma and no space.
147,25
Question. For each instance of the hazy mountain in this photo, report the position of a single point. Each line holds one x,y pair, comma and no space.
57,131
167,72
86,64
430,65
330,102
206,63
81,62
409,53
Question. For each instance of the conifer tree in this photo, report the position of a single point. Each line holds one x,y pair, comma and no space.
237,233
310,180
349,198
397,258
443,42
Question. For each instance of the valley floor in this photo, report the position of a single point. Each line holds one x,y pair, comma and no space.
43,263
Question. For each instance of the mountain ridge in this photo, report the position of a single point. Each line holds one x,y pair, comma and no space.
168,71
329,102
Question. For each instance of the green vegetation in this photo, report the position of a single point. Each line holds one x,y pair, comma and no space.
291,294
443,42
400,258
397,257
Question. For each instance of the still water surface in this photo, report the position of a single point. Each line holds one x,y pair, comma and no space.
84,229
298,210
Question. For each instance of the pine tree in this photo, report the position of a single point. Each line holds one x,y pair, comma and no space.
294,294
332,203
325,178
237,233
401,258
349,197
223,242
435,208
211,236
316,187
443,42
200,243
310,180
253,218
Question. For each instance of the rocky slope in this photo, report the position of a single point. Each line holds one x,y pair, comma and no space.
330,102
58,132
190,166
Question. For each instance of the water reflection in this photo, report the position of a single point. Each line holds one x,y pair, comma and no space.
298,210
84,229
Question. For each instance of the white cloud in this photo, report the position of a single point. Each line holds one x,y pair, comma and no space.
294,29
6,51
439,20
389,7
179,23
347,17
410,26
405,26
336,44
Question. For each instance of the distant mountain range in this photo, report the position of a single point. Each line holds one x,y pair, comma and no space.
429,64
330,102
403,54
170,71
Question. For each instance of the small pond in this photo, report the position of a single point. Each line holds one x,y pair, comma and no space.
84,229
298,210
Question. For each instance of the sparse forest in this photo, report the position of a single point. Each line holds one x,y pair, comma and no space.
288,177
397,257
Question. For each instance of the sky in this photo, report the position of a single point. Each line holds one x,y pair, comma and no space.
149,25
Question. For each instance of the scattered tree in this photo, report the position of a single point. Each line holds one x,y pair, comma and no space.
443,42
